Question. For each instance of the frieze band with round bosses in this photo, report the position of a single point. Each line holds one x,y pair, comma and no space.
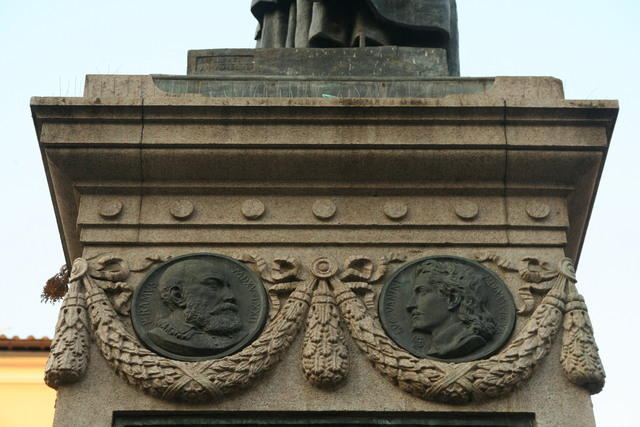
334,299
213,211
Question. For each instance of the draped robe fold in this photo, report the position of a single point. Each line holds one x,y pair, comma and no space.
357,23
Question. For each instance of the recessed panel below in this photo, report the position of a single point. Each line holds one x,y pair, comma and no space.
191,419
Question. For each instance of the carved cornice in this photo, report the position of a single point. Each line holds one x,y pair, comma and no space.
452,143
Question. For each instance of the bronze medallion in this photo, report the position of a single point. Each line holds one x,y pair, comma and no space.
200,306
447,308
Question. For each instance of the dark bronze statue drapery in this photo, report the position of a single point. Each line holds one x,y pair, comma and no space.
358,23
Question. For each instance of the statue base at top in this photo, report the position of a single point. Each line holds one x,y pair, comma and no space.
376,72
384,61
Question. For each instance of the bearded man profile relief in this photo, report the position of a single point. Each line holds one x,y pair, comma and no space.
203,316
448,305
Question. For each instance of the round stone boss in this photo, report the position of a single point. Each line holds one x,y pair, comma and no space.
447,308
198,307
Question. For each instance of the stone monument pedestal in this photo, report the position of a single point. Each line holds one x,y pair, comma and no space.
334,194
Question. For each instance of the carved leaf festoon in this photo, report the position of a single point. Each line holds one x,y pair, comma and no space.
325,357
580,357
329,300
537,276
175,380
494,377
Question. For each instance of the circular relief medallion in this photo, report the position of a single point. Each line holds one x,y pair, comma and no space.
447,308
200,306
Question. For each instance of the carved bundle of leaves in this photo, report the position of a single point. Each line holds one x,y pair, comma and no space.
580,357
325,358
69,354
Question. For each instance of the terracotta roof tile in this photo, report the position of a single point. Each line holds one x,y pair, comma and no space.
24,344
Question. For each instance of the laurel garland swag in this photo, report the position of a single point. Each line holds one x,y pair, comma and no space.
99,293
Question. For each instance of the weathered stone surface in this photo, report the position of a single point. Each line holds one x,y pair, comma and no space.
326,87
401,175
390,61
520,91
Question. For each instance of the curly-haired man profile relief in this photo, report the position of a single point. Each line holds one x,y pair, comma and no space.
447,304
203,316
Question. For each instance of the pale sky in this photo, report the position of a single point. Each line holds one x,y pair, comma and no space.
592,45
